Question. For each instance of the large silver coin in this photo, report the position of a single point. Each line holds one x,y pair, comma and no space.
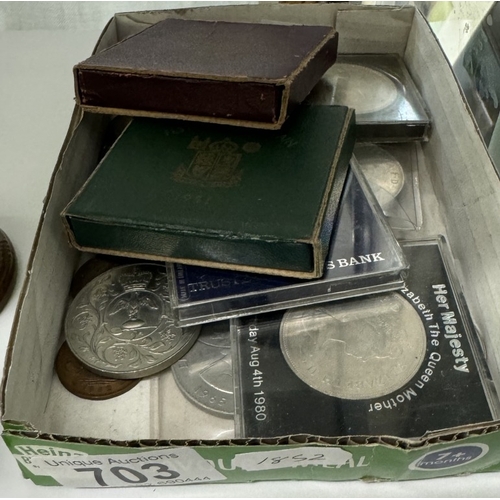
365,89
205,373
357,350
120,325
383,173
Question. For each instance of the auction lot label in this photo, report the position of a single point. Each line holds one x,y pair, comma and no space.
153,468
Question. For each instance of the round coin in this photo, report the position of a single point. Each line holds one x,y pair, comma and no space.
120,325
362,349
383,173
365,89
7,267
85,384
205,373
92,268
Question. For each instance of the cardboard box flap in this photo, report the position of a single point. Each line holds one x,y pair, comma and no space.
323,14
29,354
42,309
465,182
388,33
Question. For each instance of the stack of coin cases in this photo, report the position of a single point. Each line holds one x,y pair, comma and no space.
392,121
239,349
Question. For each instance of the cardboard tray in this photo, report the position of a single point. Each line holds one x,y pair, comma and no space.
460,198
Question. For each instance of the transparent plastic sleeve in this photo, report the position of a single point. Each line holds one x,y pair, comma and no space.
364,257
403,363
379,87
392,171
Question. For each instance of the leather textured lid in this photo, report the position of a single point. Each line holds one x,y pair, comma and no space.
214,49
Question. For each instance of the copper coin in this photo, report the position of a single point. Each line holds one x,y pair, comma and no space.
7,267
85,384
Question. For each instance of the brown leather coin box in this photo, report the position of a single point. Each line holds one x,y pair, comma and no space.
246,74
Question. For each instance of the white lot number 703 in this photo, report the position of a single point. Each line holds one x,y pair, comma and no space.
172,466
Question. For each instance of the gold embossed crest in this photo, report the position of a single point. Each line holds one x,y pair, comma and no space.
120,324
214,164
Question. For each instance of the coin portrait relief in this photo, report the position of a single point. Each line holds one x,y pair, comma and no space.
357,350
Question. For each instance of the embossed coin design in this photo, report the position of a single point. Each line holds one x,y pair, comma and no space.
93,268
7,267
120,325
383,173
365,89
205,373
360,349
85,384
